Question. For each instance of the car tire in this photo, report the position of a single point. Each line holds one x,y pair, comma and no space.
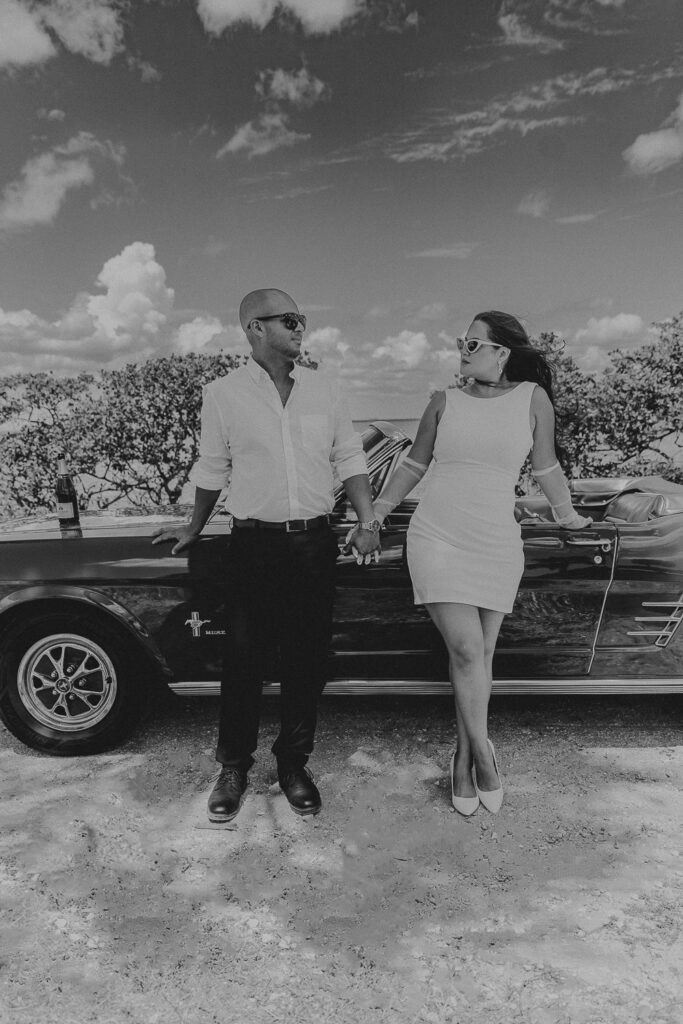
70,684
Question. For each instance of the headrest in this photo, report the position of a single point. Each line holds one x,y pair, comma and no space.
634,508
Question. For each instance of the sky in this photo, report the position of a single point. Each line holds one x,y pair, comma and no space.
396,166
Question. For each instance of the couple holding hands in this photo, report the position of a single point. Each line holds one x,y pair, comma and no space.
275,430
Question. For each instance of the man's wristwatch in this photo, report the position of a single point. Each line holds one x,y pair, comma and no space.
373,525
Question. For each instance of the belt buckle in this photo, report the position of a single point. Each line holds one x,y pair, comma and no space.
288,527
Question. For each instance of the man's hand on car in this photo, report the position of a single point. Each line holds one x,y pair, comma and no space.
184,535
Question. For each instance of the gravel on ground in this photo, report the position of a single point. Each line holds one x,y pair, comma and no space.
122,904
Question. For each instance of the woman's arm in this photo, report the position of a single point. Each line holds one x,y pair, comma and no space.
415,464
545,467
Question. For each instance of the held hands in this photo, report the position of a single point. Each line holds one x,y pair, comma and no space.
184,535
365,545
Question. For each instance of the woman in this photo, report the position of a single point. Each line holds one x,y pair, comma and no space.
465,551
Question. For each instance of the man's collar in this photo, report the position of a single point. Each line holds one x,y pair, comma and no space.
259,375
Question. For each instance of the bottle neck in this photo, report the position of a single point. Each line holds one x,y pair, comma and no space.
61,467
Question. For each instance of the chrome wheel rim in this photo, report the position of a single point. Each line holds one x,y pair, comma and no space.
67,682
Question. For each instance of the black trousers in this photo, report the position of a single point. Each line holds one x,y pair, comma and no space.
282,587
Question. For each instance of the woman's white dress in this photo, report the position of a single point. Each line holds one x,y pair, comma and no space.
464,543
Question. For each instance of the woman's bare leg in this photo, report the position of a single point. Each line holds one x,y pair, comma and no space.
461,627
490,623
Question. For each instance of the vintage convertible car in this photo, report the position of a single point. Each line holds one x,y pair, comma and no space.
91,623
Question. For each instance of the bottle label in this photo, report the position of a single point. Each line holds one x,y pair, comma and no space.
65,510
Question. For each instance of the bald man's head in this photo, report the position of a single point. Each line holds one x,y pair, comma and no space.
265,302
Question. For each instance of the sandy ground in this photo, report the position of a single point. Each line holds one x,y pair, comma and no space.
121,904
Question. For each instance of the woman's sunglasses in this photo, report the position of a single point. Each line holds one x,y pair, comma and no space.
472,345
290,321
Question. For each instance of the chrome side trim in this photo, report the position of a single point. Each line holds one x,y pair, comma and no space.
672,621
430,687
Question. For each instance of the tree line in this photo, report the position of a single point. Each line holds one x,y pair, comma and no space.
132,434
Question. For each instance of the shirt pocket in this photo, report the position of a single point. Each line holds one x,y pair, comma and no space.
314,432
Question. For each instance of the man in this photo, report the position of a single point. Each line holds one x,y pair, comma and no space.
275,429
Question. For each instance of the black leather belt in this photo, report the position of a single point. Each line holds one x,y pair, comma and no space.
291,526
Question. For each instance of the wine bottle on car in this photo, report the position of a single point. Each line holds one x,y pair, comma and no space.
67,502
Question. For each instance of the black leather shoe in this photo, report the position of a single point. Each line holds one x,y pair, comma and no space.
301,791
227,795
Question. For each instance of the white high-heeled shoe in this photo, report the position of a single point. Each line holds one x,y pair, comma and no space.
464,805
491,798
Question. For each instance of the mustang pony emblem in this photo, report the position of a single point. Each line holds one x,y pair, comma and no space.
195,623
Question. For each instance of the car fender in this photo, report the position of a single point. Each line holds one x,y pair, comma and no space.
89,598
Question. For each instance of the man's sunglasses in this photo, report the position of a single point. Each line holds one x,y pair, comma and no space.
472,345
290,321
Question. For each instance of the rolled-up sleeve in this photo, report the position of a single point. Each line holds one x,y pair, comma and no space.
212,469
347,455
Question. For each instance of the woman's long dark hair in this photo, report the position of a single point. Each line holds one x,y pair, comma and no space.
524,362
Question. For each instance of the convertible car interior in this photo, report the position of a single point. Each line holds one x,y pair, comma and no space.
619,501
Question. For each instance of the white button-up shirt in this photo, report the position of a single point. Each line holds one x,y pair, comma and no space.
277,459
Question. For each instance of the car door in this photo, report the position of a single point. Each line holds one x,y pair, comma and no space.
552,630
551,633
641,634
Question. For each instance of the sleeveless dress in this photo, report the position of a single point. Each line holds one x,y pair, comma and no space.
463,543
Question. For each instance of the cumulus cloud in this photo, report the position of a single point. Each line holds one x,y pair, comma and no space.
655,151
207,333
593,343
300,88
535,204
408,349
316,16
23,40
267,133
611,330
130,317
328,345
90,28
517,32
36,197
432,311
271,130
136,302
50,115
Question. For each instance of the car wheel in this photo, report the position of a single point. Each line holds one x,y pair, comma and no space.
68,684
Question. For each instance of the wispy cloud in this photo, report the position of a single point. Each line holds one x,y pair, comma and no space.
456,134
459,251
590,17
295,192
267,133
579,218
655,151
37,195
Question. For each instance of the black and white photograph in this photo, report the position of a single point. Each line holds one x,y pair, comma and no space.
341,511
